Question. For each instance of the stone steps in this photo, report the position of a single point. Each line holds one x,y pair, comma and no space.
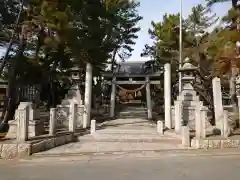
135,112
106,147
136,109
122,130
127,137
120,135
128,126
129,131
124,114
132,111
133,116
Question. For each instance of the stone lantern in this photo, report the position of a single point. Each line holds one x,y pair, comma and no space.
188,75
187,104
74,92
75,75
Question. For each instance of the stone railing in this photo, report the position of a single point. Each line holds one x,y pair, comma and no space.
60,119
28,134
188,116
63,114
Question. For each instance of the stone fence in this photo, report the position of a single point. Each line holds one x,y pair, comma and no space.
27,122
61,119
29,134
188,116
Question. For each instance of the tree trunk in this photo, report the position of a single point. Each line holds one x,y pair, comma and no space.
10,103
11,41
113,59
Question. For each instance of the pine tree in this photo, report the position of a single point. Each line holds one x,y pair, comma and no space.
198,23
123,30
227,58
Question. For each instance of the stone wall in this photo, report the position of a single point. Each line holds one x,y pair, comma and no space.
215,143
11,150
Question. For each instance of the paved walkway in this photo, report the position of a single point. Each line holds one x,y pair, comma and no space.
121,135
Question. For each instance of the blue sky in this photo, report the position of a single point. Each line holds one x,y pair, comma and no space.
155,9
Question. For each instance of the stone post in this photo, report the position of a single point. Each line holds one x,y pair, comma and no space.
80,116
113,97
198,122
225,127
34,113
217,100
88,96
23,121
149,101
167,95
160,127
53,122
73,116
185,136
93,126
203,116
178,116
238,97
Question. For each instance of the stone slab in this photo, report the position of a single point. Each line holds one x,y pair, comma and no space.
35,128
215,143
13,150
9,151
110,147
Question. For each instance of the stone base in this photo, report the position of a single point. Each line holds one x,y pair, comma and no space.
51,143
11,150
35,128
215,143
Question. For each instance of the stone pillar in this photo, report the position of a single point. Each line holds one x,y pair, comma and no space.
225,131
167,95
217,100
203,115
88,96
53,122
73,116
23,121
93,126
80,116
185,136
160,127
34,113
198,122
149,101
178,116
238,97
113,97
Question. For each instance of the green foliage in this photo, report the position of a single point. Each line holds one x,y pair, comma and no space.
165,36
222,46
212,2
199,23
54,36
122,27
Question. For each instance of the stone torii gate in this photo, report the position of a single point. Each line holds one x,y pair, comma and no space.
115,79
147,83
130,77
